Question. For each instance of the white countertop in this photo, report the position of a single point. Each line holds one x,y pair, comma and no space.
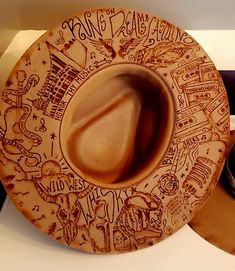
23,247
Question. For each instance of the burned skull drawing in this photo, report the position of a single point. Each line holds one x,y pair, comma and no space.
69,208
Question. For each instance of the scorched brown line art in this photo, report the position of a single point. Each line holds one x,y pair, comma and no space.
57,196
99,228
162,55
136,225
196,180
69,207
104,47
17,139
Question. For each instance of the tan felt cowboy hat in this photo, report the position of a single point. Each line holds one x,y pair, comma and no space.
113,130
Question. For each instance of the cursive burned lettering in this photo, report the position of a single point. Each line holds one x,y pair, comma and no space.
86,26
125,24
128,24
161,30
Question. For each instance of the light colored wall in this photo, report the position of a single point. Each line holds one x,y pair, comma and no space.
188,14
9,22
42,14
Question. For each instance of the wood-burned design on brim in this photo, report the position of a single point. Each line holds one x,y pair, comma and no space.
113,130
215,221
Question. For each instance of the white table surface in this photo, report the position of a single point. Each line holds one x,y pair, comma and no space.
23,247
